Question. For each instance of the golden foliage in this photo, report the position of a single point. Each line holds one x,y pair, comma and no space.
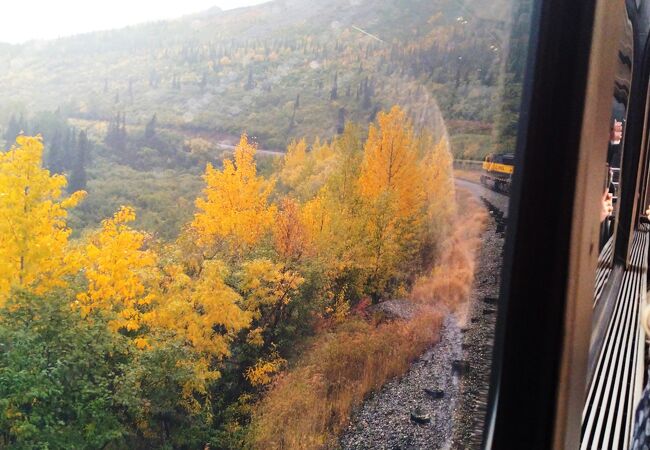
295,164
390,165
305,173
439,182
205,312
33,231
119,272
265,369
352,224
289,232
309,405
268,284
235,207
392,184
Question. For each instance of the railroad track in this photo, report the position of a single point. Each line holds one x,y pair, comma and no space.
478,336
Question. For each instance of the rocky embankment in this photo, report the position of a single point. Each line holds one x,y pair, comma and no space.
440,403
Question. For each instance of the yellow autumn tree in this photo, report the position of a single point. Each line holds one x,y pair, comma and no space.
323,159
234,208
289,232
268,288
333,231
390,169
316,220
348,153
305,172
204,312
33,212
392,185
295,164
439,184
120,273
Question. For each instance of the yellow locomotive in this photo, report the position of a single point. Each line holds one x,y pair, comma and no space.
497,172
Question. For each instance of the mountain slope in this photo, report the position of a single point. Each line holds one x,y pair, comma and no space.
282,69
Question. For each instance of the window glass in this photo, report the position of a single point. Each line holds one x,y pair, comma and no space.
259,224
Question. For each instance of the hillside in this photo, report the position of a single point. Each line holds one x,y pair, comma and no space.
279,70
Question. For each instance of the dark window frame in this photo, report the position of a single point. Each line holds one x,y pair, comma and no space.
524,407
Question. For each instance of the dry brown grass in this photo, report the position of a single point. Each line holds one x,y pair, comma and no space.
308,406
449,284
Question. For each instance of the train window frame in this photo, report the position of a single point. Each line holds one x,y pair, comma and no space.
538,377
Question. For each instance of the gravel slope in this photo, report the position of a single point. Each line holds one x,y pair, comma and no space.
384,420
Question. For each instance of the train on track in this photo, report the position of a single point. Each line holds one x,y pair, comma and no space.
498,171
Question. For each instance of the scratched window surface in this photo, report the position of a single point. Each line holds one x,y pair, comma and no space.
233,224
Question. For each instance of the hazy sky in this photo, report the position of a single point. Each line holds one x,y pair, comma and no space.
23,20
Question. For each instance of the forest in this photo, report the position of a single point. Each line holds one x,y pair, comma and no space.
117,339
157,101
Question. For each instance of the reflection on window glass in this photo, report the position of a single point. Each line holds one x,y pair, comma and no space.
616,355
278,226
620,101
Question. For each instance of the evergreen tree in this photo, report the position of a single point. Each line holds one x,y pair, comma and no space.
367,94
116,136
150,129
334,92
13,130
70,147
340,125
250,84
55,157
78,173
511,81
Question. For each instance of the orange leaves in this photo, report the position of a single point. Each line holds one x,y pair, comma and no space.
390,165
33,231
234,207
289,232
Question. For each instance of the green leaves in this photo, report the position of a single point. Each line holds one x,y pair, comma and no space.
57,373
